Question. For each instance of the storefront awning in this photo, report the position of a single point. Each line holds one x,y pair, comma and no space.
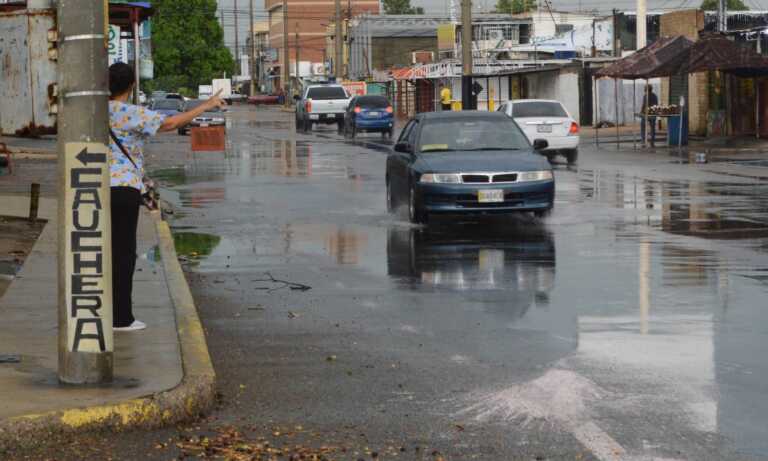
661,58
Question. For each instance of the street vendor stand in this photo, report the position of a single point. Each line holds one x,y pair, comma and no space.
678,55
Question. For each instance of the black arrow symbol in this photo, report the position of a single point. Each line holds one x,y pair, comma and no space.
86,158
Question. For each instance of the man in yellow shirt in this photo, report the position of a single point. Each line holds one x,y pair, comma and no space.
445,96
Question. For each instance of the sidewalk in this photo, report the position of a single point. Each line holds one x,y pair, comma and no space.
162,374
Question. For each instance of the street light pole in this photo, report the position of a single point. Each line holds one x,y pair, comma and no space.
642,24
85,252
467,99
722,16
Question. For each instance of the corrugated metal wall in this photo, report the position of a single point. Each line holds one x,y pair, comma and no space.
27,74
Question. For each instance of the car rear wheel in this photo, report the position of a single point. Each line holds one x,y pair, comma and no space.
543,213
416,213
572,155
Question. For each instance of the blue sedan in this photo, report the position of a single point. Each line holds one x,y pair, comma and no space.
467,163
372,114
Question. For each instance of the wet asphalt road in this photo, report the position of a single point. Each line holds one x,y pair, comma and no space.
632,324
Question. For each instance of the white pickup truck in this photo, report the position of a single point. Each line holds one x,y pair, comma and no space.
321,104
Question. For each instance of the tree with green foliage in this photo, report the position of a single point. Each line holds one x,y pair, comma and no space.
401,7
732,5
515,6
187,45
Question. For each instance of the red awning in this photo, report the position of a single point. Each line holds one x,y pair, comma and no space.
408,73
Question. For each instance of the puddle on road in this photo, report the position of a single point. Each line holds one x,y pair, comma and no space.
193,247
702,209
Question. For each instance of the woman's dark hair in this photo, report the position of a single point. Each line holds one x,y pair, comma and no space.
121,77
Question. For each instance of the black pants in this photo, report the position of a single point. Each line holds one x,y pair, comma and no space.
446,106
125,221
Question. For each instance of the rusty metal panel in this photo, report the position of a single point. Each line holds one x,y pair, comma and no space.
15,81
43,73
27,74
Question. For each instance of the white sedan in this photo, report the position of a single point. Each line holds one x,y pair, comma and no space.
544,119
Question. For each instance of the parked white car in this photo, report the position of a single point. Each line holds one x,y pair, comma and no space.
545,119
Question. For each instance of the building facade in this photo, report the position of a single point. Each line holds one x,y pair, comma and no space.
307,21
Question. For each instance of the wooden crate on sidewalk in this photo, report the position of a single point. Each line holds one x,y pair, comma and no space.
209,139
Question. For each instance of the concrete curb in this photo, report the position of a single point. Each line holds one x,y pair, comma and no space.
192,397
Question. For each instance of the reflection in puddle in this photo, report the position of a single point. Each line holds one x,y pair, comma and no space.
194,247
706,210
476,259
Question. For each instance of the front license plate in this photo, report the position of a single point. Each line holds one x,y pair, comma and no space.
314,117
490,196
203,125
544,128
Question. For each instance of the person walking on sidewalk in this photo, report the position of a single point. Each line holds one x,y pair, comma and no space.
130,126
649,100
445,97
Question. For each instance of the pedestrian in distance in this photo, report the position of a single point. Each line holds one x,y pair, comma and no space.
445,97
130,126
649,100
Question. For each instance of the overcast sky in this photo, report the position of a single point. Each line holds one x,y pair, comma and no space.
441,7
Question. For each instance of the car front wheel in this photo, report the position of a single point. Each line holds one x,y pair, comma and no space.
416,212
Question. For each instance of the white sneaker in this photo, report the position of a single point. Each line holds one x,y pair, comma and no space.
135,326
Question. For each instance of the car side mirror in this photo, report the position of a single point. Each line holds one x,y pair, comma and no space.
404,148
540,144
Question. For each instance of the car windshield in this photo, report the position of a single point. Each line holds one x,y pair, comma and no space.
372,102
166,104
538,109
463,134
323,93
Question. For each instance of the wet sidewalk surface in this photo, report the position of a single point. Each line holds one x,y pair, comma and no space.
146,362
629,325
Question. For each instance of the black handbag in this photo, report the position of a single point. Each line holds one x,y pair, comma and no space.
150,198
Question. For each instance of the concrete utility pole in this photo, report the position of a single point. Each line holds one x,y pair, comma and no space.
467,99
338,60
252,60
286,56
237,44
722,16
85,252
642,34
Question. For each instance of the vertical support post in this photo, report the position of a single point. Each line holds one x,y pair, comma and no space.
237,42
296,39
136,55
338,43
252,60
34,201
85,244
646,104
722,16
467,99
616,99
756,84
286,57
634,113
596,113
642,24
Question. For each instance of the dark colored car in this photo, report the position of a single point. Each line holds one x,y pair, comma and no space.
371,114
467,163
213,117
166,106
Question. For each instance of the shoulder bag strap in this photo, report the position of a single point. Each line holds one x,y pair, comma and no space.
122,148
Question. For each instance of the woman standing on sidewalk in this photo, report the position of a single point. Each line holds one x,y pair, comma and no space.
130,127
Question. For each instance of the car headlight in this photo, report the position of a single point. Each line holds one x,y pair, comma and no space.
534,176
441,178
